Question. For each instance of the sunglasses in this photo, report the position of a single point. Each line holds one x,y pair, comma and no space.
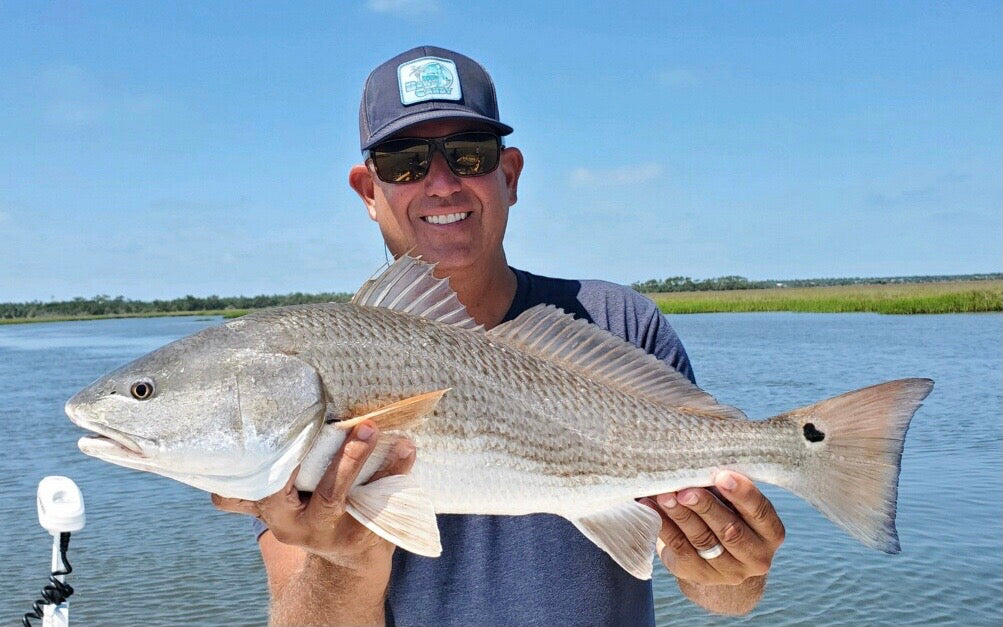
406,160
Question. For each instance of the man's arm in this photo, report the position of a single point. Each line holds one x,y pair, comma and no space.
324,568
307,589
742,520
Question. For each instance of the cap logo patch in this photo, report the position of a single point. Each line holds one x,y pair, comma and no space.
428,78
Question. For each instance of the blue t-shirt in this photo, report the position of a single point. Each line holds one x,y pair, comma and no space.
536,569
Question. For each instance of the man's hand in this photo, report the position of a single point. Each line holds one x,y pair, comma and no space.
734,514
323,566
318,522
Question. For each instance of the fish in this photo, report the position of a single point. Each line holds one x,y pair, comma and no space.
542,414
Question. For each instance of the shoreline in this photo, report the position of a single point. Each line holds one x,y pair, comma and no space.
893,299
226,313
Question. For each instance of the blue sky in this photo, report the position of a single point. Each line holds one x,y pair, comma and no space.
153,150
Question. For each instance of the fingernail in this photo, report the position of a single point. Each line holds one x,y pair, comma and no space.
688,498
667,500
668,557
364,432
725,481
405,451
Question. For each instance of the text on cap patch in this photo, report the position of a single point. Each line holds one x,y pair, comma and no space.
428,78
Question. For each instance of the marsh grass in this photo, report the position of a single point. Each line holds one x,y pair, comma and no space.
899,298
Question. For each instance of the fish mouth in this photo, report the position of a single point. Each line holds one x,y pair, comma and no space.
106,441
107,446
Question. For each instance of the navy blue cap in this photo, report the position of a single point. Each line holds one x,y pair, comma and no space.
426,83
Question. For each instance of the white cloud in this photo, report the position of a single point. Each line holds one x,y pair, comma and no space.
402,6
613,177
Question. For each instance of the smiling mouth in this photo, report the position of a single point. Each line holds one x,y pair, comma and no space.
449,218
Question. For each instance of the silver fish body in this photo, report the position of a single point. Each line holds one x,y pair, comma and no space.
543,414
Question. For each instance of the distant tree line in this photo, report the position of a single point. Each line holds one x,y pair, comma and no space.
686,284
104,305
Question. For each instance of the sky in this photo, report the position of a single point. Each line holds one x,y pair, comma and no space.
159,149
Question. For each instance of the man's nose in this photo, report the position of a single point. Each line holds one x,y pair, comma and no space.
440,180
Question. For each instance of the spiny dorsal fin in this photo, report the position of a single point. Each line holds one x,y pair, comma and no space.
408,285
550,333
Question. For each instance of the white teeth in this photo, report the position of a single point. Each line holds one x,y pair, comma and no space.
449,218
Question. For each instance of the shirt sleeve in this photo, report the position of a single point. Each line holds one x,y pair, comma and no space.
259,527
635,318
664,342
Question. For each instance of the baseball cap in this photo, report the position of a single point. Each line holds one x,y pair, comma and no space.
426,83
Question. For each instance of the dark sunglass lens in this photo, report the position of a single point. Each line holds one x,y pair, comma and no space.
401,161
471,154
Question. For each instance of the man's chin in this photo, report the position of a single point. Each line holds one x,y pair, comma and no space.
446,259
449,265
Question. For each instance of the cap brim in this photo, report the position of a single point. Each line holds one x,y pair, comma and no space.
435,114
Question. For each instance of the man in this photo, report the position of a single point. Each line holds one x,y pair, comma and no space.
439,183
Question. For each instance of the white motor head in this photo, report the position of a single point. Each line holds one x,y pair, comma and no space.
60,505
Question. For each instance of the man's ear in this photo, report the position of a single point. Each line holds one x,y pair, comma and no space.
511,166
360,178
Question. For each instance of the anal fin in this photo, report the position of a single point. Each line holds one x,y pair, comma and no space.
627,532
398,510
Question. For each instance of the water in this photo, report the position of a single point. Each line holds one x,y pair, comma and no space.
155,552
949,517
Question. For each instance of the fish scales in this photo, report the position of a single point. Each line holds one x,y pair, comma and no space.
542,417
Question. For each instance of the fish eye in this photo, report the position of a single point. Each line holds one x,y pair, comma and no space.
142,390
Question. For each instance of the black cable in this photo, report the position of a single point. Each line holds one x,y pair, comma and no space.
57,591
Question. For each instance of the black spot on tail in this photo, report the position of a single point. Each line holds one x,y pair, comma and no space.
812,434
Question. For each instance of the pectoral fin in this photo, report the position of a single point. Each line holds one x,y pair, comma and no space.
404,414
627,532
398,510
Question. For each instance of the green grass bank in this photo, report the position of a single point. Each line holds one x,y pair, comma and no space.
908,298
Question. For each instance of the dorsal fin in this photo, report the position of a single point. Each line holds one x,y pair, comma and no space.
408,285
550,333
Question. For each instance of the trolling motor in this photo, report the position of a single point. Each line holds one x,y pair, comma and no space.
60,512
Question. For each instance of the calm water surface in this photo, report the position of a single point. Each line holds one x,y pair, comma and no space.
155,552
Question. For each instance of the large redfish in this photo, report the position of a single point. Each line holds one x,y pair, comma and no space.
542,414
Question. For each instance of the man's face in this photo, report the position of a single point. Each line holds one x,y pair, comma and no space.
421,216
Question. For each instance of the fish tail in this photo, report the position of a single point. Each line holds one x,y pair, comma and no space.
854,444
